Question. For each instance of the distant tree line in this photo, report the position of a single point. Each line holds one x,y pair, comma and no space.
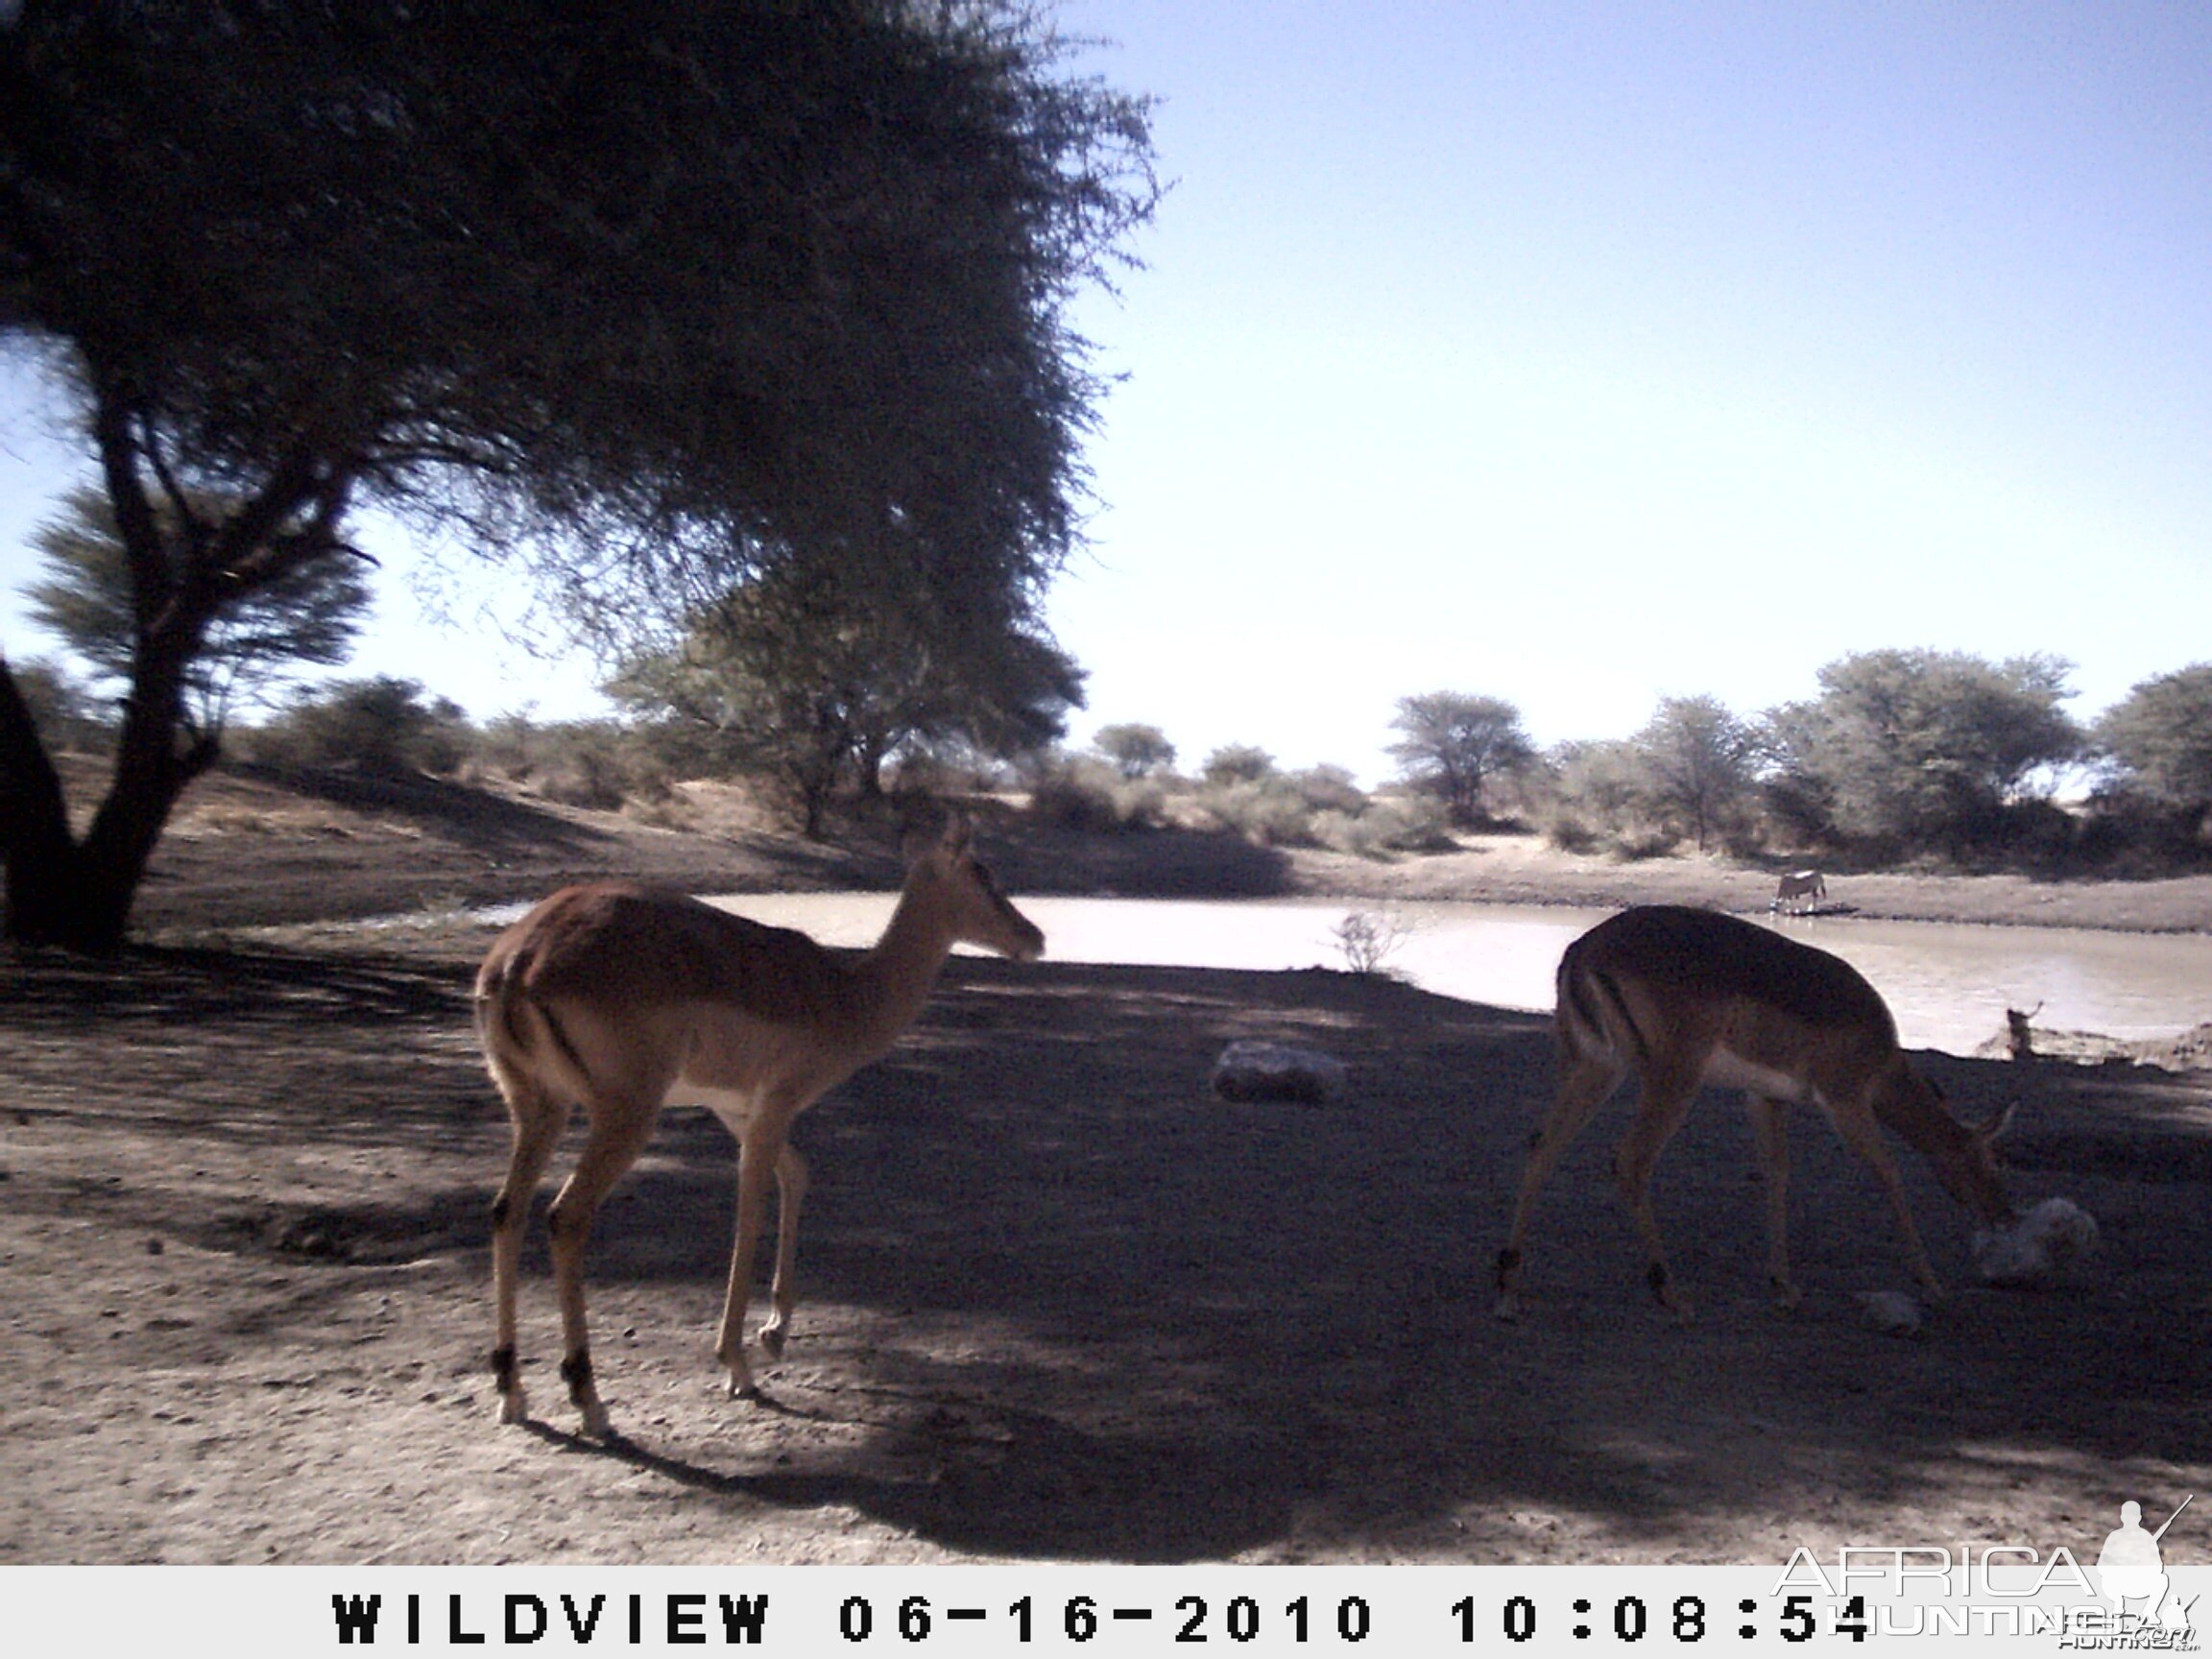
790,682
1902,755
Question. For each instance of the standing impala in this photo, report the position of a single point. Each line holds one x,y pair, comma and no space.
1684,998
623,998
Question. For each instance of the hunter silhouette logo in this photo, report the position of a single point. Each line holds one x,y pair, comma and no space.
2130,1569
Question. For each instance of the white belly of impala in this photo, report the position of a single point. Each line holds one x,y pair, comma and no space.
1731,1070
732,1106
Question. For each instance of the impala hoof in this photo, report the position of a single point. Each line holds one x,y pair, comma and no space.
514,1406
1667,1297
772,1340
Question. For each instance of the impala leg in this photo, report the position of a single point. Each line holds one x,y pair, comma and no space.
1586,1085
1863,1136
538,1121
784,1293
761,1150
1669,1086
618,1134
1770,1130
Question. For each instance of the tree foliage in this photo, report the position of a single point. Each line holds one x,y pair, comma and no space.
660,292
2160,735
1699,762
308,615
1238,763
1453,745
1136,750
1598,788
381,725
1923,749
789,674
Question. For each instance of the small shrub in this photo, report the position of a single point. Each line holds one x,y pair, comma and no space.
944,770
1407,823
1636,844
383,724
1568,834
1238,763
672,810
506,747
1368,938
582,764
1342,832
1089,795
1270,813
1330,789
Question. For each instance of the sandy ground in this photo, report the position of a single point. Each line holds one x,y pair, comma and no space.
1060,1303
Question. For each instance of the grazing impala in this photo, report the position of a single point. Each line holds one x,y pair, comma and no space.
1684,998
1799,891
623,998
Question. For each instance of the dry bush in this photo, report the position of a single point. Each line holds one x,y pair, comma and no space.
1328,788
1268,812
1568,832
1086,793
1369,938
381,725
1390,824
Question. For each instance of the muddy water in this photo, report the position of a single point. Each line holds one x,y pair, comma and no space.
1949,985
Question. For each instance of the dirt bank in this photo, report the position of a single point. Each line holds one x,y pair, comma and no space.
249,850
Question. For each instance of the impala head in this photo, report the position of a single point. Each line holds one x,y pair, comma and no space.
946,872
1965,1156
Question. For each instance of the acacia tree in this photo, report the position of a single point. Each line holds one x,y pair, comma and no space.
794,673
1136,750
1453,744
1698,760
2161,735
1924,748
654,292
310,614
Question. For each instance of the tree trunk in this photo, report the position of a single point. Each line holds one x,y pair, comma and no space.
34,828
79,895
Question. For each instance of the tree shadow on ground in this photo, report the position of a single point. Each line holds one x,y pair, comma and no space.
480,819
1059,1302
280,990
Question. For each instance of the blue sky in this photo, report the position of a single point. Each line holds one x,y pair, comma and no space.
1584,355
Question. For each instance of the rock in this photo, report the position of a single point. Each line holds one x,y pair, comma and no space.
1252,1070
2035,1246
1893,1312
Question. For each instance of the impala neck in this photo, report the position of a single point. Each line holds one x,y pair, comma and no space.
898,973
1955,1153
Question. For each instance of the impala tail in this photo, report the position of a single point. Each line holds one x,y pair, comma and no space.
1593,1020
515,1030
